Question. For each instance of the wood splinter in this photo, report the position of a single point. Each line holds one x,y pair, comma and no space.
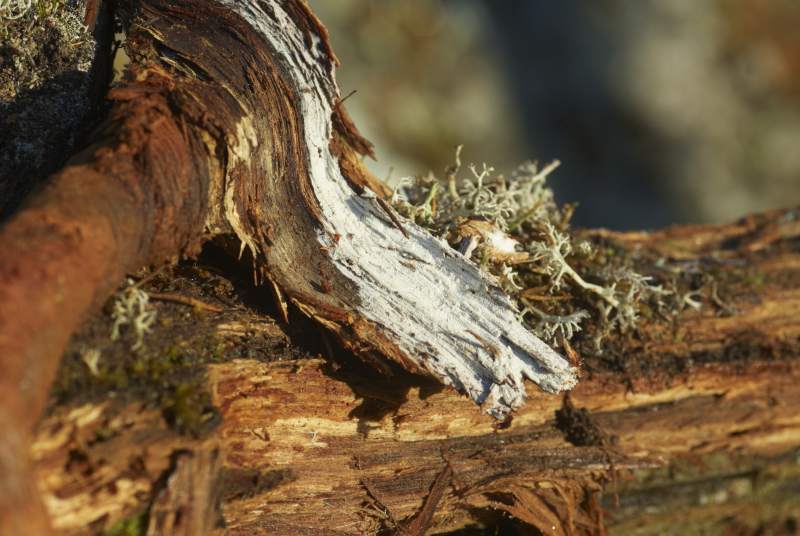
228,121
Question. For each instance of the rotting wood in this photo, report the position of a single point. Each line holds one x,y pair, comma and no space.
420,522
229,120
186,504
368,295
304,443
709,397
180,147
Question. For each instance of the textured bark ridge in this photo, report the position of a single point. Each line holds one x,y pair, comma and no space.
375,281
690,426
229,120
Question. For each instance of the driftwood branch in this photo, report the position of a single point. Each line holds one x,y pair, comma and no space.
230,121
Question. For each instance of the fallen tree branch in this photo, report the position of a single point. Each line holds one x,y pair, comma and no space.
229,120
693,420
299,445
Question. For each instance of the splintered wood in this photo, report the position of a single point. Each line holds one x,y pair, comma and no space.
404,292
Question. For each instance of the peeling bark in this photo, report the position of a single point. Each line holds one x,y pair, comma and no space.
229,120
307,453
692,423
398,291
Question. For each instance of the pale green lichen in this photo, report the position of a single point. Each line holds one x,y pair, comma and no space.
524,240
35,9
14,9
132,308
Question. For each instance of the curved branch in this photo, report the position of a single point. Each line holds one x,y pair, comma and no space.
229,121
696,405
400,290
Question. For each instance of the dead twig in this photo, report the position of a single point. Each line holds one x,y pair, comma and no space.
186,300
419,524
386,208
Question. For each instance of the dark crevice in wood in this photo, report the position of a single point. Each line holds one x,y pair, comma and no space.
173,164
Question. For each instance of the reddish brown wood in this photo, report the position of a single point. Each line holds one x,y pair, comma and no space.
70,246
150,188
710,394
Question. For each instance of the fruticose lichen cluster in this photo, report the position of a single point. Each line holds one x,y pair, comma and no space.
17,9
132,308
14,9
514,229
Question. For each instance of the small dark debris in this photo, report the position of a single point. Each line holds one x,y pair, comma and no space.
237,484
577,426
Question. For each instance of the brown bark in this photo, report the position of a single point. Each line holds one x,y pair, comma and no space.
176,162
208,135
67,250
144,192
707,400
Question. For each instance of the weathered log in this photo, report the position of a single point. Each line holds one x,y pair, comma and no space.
694,418
229,120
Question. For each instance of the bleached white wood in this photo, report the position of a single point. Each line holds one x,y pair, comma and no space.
438,307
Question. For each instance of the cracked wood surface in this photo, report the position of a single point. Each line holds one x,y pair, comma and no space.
305,452
400,292
709,398
229,120
209,134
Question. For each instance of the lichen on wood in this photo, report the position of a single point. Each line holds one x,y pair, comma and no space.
201,141
703,423
228,122
401,291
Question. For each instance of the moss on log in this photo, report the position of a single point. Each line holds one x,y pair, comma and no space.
691,422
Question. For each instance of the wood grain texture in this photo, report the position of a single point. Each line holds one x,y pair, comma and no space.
215,132
695,414
228,121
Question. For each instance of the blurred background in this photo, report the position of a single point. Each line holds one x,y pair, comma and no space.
661,111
